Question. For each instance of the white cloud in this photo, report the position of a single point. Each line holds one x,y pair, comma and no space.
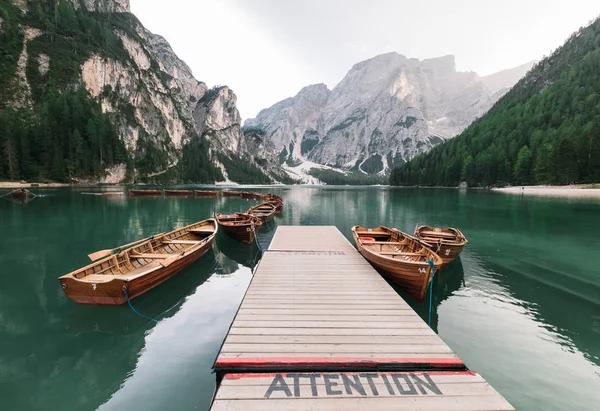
267,50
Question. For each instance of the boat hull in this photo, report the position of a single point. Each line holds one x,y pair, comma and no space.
201,193
144,193
243,233
19,195
178,193
264,212
406,276
448,252
447,242
111,292
231,194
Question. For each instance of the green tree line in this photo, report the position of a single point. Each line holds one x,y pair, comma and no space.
68,137
331,177
546,130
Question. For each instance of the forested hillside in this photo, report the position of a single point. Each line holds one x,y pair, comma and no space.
84,91
54,135
546,130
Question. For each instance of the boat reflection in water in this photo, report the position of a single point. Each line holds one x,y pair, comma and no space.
159,303
445,285
243,254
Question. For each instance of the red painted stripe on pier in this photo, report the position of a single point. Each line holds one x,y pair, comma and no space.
239,376
342,362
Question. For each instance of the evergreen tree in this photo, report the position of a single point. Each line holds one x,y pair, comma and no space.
546,129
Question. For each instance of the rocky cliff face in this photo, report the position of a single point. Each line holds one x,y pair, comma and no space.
150,95
385,111
291,121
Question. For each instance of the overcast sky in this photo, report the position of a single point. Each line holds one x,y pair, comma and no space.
267,50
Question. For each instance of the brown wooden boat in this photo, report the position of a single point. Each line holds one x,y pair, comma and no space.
20,194
278,205
231,193
240,226
446,242
264,211
141,267
144,193
206,193
178,193
398,256
250,196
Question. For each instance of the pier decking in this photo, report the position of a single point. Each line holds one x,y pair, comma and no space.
319,328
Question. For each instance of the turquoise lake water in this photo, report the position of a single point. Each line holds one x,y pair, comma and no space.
521,306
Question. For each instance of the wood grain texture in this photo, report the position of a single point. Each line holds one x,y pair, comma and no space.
404,391
321,299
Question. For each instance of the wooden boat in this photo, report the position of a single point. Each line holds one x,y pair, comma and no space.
232,193
240,226
20,194
144,193
250,196
277,204
141,267
398,256
206,193
446,242
178,193
264,211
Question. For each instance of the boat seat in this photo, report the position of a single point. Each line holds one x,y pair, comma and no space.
180,242
399,253
437,234
385,243
202,230
152,256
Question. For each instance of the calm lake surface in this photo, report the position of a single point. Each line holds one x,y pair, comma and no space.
521,306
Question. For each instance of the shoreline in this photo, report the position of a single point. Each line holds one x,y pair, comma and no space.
574,191
14,185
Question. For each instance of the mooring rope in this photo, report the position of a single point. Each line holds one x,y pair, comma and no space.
134,310
255,236
432,265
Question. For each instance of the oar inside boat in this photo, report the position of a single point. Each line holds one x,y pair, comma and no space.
105,253
140,266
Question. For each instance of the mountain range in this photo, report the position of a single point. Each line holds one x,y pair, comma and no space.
545,130
385,111
87,93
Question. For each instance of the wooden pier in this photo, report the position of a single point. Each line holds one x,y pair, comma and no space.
320,329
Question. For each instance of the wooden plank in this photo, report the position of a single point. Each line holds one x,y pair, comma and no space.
480,403
342,332
309,238
320,302
403,391
357,358
333,339
339,318
265,379
370,348
327,312
271,305
331,324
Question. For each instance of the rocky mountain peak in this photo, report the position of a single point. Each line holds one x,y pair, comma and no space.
104,6
386,110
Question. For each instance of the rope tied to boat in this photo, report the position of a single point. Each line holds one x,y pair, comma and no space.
255,236
134,310
432,265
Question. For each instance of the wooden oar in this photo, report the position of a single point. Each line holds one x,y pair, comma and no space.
104,253
168,261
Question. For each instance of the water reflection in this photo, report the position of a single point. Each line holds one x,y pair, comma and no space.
520,306
243,254
445,285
